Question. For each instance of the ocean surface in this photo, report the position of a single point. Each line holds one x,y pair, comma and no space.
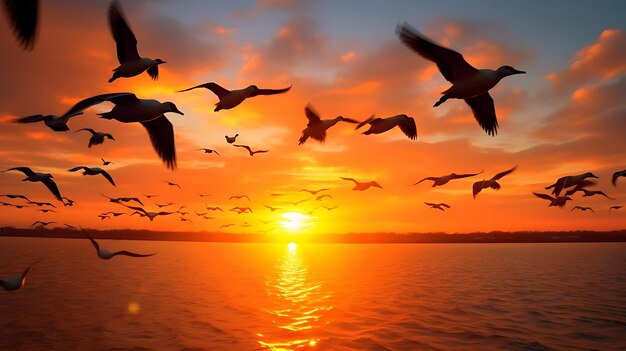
216,296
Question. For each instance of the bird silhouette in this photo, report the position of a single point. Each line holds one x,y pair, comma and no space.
360,186
490,183
440,206
97,138
316,128
15,283
231,98
45,178
439,181
559,201
250,150
107,255
23,15
93,171
231,139
106,163
123,199
583,209
568,182
617,175
209,151
381,125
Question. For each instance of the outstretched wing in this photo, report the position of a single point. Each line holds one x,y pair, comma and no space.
30,119
153,72
131,254
27,171
23,16
93,132
77,168
213,87
427,178
244,146
311,115
94,100
125,40
484,112
52,186
161,134
407,126
93,242
271,91
477,187
544,196
108,177
467,175
361,124
502,174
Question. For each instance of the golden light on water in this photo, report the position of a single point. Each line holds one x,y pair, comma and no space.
292,247
133,308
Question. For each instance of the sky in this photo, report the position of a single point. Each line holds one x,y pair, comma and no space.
565,116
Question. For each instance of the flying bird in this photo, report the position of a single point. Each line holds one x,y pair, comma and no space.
439,206
209,151
272,208
241,210
149,196
439,181
15,196
131,64
554,201
15,283
172,184
568,182
321,197
468,83
231,139
123,199
296,203
226,225
231,98
97,138
329,208
316,128
250,150
43,224
6,204
23,15
584,209
46,210
45,178
183,219
314,192
617,175
93,171
115,214
107,255
381,125
106,163
588,193
204,195
39,204
165,204
151,215
237,197
68,202
103,217
215,208
360,186
614,208
490,183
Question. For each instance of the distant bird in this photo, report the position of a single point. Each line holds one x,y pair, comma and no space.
115,214
15,283
172,184
272,208
321,197
241,210
183,219
614,208
439,181
360,186
103,217
554,201
231,139
250,150
209,151
23,15
231,98
568,182
268,222
439,206
490,183
151,114
314,192
182,213
15,196
588,193
6,204
68,202
46,210
214,208
131,64
43,224
329,208
617,175
93,171
207,217
59,123
151,215
580,186
583,209
381,125
468,83
204,195
69,226
45,178
165,204
149,196
237,197
246,225
123,199
107,255
39,204
277,194
316,128
226,225
296,203
97,138
106,163
200,214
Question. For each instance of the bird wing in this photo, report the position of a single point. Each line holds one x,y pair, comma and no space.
444,205
427,178
93,132
93,242
23,17
613,178
213,87
477,187
77,168
544,196
108,177
153,72
123,99
84,104
407,126
216,153
30,119
370,119
349,120
467,175
502,174
451,64
136,199
258,152
311,115
271,91
27,171
575,207
430,204
125,40
484,112
138,209
131,254
52,186
161,134
244,146
351,179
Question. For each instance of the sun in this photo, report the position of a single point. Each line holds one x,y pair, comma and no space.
293,220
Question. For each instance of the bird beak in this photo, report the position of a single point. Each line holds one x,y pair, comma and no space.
112,138
518,72
178,111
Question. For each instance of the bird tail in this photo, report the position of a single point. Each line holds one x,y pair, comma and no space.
302,140
114,76
441,101
495,185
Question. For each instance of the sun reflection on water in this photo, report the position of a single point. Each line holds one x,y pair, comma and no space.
298,306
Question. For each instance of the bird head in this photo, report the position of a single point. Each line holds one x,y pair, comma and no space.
591,175
110,136
508,71
49,175
170,107
159,61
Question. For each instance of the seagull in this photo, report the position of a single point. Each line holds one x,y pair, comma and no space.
226,225
39,204
107,255
438,181
554,201
231,98
68,202
250,150
151,114
295,203
580,186
151,215
165,204
209,151
93,171
330,208
45,178
490,183
272,208
614,208
123,199
183,219
468,83
237,197
149,196
314,192
316,128
131,64
200,214
59,123
14,283
43,224
207,217
12,205
231,139
172,184
321,197
97,138
583,209
46,210
362,185
214,208
587,193
617,175
568,182
204,195
268,222
15,196
103,217
106,163
115,214
241,210
381,125
439,206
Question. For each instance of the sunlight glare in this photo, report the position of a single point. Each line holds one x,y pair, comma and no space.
293,220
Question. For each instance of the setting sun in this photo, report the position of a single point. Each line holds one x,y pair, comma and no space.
293,220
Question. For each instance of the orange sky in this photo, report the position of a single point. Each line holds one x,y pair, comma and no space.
552,123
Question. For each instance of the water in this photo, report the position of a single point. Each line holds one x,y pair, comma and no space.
213,296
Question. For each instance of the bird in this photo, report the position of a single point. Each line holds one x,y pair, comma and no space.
583,209
151,215
329,208
148,196
165,204
59,123
131,64
360,186
106,163
468,83
237,197
12,205
241,210
250,150
439,181
43,224
580,186
45,178
204,195
97,138
439,206
616,207
381,125
15,196
226,225
103,217
123,199
316,128
267,222
617,175
200,214
46,210
231,98
172,184
39,204
107,255
588,193
93,171
272,208
554,201
209,151
115,214
321,197
151,114
183,219
296,203
15,283
568,182
490,183
23,15
207,217
231,139
214,208
68,202
314,192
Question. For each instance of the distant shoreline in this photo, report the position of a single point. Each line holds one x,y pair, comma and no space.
351,238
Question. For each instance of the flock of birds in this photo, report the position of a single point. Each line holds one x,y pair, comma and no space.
468,83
